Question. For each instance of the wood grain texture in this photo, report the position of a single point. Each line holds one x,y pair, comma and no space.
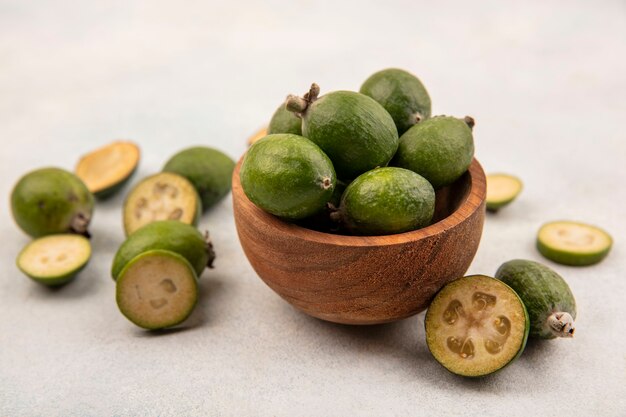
371,279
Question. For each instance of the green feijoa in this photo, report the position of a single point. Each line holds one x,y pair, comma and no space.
157,289
573,243
55,259
402,94
354,130
476,325
284,121
169,235
287,175
50,201
546,295
440,149
208,169
386,201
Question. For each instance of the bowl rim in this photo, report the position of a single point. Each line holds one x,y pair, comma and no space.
474,200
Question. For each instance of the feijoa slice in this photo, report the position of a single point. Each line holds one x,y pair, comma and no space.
164,196
573,243
284,121
287,175
51,201
354,130
547,297
157,289
385,201
56,259
105,170
208,169
476,325
402,94
502,189
259,134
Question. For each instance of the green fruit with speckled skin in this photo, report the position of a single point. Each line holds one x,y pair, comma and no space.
169,235
402,94
354,130
547,297
284,121
386,201
440,149
51,200
209,170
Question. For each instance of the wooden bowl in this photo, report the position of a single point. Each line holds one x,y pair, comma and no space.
369,279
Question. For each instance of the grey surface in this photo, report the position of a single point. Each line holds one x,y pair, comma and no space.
544,80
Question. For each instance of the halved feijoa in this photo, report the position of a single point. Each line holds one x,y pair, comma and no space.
287,175
259,134
208,169
476,325
164,196
157,289
354,130
501,190
573,243
169,235
55,259
284,121
385,201
105,170
402,94
547,297
50,201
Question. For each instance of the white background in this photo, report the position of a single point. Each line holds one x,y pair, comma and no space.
544,80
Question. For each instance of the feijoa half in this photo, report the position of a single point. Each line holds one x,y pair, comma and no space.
105,170
56,259
284,121
157,289
169,235
502,189
259,134
573,243
402,94
51,201
385,201
287,175
547,297
356,132
476,325
208,169
164,196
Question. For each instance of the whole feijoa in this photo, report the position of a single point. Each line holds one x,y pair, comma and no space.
287,175
387,200
402,94
51,200
440,149
208,169
284,121
356,132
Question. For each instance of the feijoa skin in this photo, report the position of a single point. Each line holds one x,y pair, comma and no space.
169,235
573,243
387,200
440,149
284,121
550,303
288,176
356,132
208,169
402,94
50,201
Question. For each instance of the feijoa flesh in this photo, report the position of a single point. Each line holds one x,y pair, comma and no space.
476,325
208,169
502,189
287,175
402,94
386,201
157,289
354,130
573,243
50,201
105,170
440,149
547,297
55,259
284,121
164,196
258,135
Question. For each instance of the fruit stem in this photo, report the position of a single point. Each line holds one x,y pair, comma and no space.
79,225
469,121
299,105
209,249
561,324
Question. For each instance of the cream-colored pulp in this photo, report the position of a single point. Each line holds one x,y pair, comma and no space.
574,237
108,165
502,188
54,256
